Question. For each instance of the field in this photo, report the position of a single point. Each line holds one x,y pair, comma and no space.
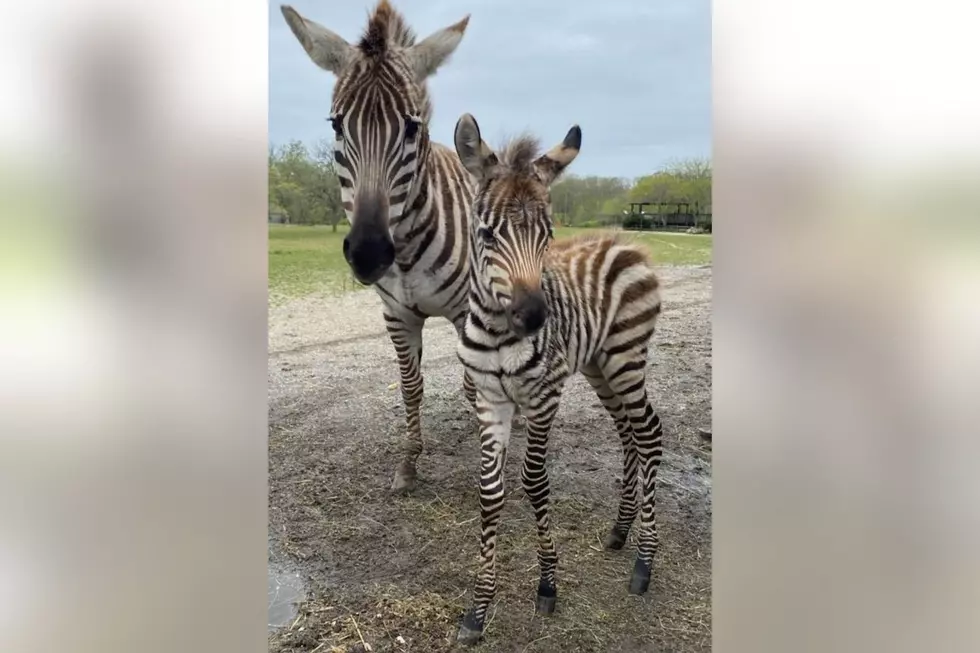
387,573
305,260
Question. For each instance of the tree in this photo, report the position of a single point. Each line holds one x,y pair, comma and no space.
658,187
326,184
683,181
695,173
305,187
577,200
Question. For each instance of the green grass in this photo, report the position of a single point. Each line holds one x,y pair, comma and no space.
666,248
305,260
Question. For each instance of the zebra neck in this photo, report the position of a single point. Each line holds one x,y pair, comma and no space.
485,313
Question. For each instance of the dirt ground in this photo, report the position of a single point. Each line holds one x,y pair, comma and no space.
390,573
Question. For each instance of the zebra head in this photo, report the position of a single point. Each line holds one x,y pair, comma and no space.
511,219
379,113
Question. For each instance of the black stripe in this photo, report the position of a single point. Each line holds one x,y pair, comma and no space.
630,344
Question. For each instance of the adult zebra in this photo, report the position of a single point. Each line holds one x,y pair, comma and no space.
407,198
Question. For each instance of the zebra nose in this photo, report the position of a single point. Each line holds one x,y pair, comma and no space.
369,257
529,313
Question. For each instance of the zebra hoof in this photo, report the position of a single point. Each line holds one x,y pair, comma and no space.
640,582
404,482
470,631
615,540
547,597
545,604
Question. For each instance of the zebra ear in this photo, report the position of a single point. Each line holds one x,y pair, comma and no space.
327,49
427,56
552,163
476,155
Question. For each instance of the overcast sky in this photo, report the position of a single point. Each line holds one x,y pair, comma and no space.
635,75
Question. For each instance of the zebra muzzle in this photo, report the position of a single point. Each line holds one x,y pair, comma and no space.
527,312
369,257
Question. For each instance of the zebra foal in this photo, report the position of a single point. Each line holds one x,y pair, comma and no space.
539,311
407,198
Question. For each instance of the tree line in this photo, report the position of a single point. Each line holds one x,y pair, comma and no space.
303,185
304,189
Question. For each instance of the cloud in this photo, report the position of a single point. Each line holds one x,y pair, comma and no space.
637,78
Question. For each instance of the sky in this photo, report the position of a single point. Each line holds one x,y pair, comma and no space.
636,76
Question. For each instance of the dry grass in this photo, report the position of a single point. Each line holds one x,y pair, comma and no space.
420,611
396,573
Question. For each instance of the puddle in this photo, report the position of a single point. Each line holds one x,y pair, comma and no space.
285,591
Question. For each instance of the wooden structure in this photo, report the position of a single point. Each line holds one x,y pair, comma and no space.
668,216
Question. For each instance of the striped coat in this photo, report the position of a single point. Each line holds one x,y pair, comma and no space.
407,198
539,311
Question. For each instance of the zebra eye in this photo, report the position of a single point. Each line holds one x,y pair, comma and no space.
337,122
411,129
486,235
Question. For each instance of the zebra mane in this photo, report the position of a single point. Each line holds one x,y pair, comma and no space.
519,154
386,27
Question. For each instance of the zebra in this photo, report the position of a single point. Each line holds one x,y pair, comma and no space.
407,198
540,310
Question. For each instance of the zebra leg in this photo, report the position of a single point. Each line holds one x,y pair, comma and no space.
627,377
627,500
534,475
469,389
407,338
495,417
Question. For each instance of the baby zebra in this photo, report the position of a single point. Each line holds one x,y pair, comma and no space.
540,311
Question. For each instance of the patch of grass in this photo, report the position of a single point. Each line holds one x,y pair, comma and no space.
666,248
305,260
309,259
384,619
439,540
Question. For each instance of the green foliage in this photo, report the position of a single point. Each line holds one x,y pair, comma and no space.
304,185
599,201
575,200
687,180
638,222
